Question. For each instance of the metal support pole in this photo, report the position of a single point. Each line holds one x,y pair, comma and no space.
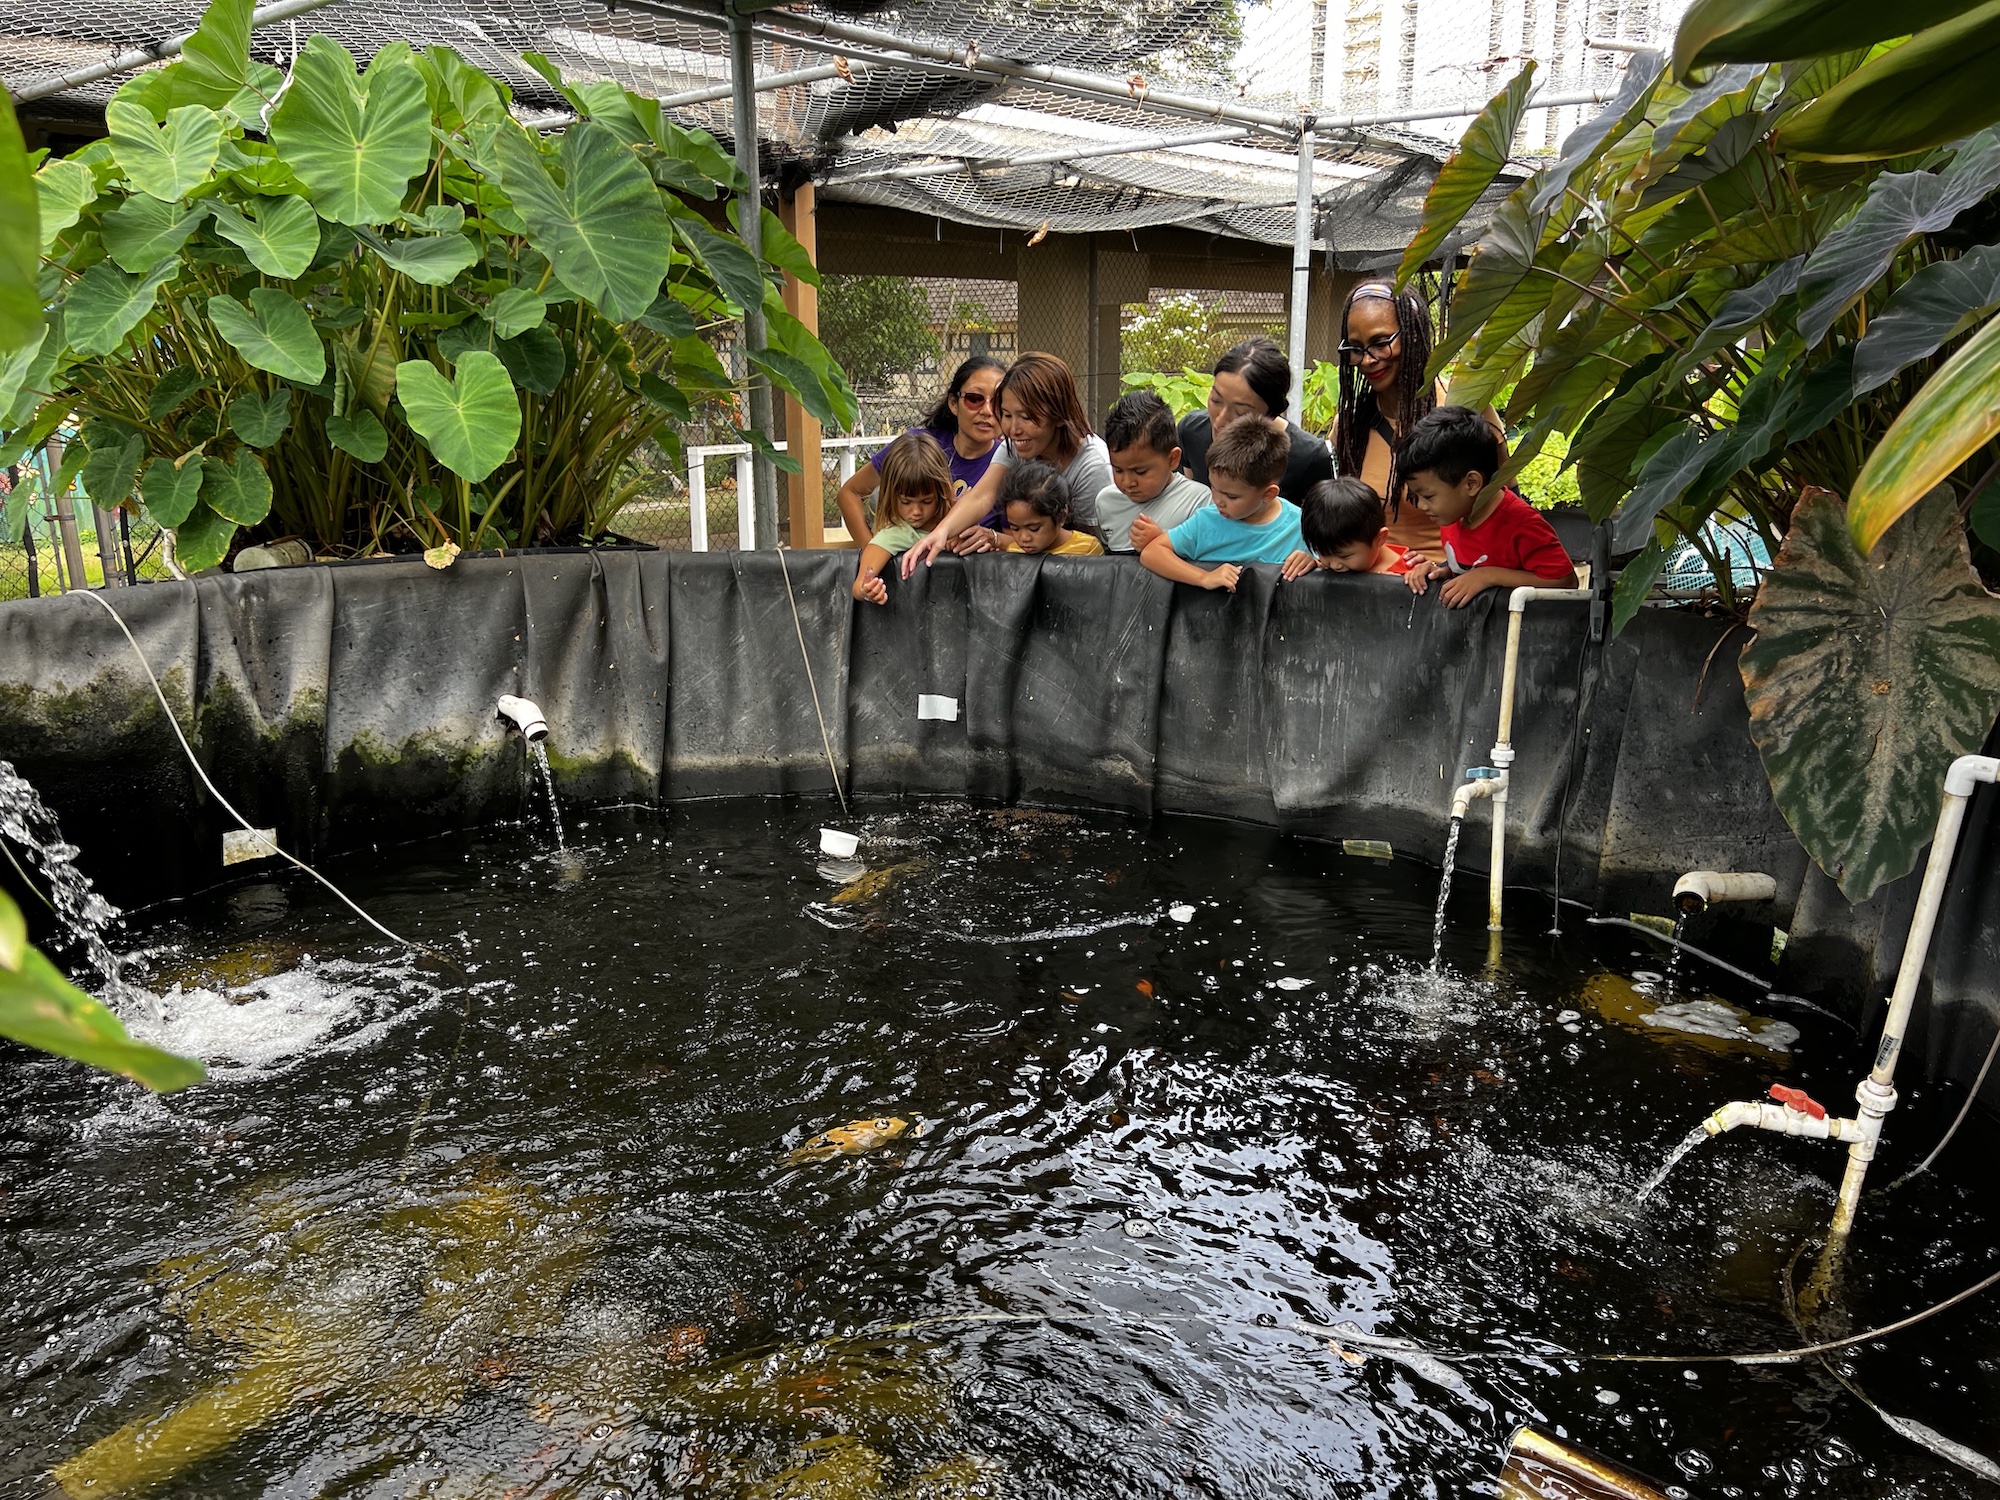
107,546
1302,246
750,227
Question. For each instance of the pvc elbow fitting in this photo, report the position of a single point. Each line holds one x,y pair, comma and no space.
1481,781
1698,889
1520,598
524,716
1968,771
1781,1120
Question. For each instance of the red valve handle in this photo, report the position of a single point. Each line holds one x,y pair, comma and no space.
1799,1100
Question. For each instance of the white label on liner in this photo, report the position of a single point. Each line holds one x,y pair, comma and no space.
241,845
935,706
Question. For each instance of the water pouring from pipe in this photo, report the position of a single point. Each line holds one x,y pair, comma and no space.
534,729
1480,781
85,916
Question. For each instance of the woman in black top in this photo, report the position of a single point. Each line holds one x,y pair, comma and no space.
1254,380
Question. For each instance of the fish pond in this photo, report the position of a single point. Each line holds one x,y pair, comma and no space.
1031,1155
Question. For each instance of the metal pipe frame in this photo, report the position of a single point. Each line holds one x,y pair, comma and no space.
1134,147
140,57
750,229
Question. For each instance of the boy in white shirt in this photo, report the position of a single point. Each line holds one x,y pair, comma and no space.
1148,493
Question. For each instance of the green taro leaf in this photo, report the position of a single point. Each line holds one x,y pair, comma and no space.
15,368
113,463
1726,31
1584,147
596,216
1500,267
202,540
360,435
429,260
734,268
1900,206
170,492
470,421
438,218
784,251
20,242
106,304
215,61
276,334
1983,520
1935,88
1867,676
1937,304
517,309
164,161
1955,415
141,232
665,396
535,360
239,491
261,420
355,143
170,390
1634,583
1482,154
281,236
666,316
41,1009
63,190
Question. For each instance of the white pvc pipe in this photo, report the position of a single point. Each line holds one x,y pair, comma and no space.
524,716
1782,1119
1877,1091
697,500
1702,888
746,503
1518,601
1471,791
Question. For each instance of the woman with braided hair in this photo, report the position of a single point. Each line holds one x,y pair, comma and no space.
1385,347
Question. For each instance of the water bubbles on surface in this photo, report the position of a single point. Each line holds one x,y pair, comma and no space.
1565,1017
1646,976
1694,1463
1138,1229
1607,1398
1181,912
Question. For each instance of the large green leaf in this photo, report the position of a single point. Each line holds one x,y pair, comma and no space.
1937,304
170,390
280,235
215,61
1900,206
105,304
1955,415
141,232
1866,677
20,240
361,435
15,368
1585,146
170,490
732,265
834,401
1720,31
1504,260
202,540
63,190
1635,581
113,464
261,420
518,309
239,491
41,1009
1674,466
596,216
1934,88
355,143
1482,154
164,161
470,421
275,334
428,259
782,249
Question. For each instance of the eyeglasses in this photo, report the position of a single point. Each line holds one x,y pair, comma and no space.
1377,348
973,399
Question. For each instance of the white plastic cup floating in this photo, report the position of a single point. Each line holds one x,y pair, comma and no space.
837,844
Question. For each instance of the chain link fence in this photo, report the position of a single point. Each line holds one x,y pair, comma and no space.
35,558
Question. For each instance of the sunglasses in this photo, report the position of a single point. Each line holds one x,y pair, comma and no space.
1376,348
973,399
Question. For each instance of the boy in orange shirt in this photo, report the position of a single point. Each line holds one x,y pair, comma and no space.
1346,530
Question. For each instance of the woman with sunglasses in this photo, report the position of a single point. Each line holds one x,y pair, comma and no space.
1254,380
966,424
1385,347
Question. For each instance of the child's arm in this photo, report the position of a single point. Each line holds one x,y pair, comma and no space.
1162,559
1144,529
868,584
971,507
1421,568
1298,565
1470,584
854,501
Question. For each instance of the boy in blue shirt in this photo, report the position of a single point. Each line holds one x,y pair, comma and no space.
1249,521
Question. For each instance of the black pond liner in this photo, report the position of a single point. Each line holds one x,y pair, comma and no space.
353,705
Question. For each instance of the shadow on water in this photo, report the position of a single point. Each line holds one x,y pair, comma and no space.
1006,1163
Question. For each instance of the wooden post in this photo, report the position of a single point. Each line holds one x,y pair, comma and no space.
805,490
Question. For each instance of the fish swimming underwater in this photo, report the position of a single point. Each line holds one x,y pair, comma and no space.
852,1139
1402,1351
875,882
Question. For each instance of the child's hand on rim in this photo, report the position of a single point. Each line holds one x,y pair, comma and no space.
1462,590
1223,577
1144,530
1419,576
1298,565
872,589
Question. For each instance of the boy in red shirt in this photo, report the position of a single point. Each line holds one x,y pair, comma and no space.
1498,542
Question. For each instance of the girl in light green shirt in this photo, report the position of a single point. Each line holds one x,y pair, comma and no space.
916,492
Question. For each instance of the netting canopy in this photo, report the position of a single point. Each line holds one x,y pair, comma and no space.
1069,115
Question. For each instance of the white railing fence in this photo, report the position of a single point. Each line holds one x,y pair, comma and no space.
746,527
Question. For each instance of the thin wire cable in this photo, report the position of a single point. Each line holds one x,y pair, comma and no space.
224,802
1971,1097
825,740
36,891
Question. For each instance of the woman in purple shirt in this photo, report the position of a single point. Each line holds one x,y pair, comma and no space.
966,424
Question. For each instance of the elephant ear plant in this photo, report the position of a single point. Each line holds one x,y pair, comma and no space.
369,308
1736,287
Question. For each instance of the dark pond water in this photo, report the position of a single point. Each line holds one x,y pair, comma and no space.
1129,1103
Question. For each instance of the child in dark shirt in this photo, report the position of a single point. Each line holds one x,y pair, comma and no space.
1490,541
